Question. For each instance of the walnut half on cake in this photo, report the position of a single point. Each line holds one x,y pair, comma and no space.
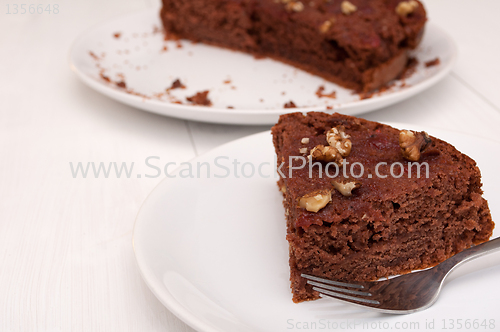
387,213
359,44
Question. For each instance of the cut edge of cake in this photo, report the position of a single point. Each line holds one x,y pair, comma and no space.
360,234
362,48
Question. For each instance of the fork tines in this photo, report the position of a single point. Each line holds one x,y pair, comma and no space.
330,288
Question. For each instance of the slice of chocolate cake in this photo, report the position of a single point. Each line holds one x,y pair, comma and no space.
359,44
364,200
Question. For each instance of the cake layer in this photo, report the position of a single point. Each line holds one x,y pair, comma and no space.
391,223
359,44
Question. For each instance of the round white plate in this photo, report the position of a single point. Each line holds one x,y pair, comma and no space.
257,89
213,249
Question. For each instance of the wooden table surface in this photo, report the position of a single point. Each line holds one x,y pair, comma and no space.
67,262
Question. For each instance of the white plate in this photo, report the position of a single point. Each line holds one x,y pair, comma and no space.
256,88
213,250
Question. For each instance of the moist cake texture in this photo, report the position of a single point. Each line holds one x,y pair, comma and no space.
359,44
357,229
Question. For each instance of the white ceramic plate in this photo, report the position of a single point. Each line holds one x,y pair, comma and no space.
213,250
258,89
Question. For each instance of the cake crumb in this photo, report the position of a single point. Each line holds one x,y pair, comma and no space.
320,93
347,7
121,84
177,84
329,107
104,77
432,63
230,107
200,98
95,57
156,29
290,104
117,35
228,81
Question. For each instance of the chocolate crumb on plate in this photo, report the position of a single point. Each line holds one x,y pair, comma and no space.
432,63
104,77
117,35
121,84
95,57
200,98
177,84
320,93
156,29
290,104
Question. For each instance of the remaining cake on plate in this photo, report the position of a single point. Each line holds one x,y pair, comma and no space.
355,225
359,44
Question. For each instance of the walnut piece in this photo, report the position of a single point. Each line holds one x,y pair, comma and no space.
325,26
315,201
346,188
412,143
347,7
294,6
305,140
283,189
326,153
303,150
338,139
406,7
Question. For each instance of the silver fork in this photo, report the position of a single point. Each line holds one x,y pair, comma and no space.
404,294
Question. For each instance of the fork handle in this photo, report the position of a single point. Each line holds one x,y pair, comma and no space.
469,254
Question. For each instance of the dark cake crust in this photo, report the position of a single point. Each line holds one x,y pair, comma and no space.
389,225
362,50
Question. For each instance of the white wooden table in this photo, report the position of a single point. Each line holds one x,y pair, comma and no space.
66,258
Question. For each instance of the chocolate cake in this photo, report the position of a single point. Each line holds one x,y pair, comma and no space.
359,44
363,225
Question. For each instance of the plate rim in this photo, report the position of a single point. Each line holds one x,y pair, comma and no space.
250,116
148,276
